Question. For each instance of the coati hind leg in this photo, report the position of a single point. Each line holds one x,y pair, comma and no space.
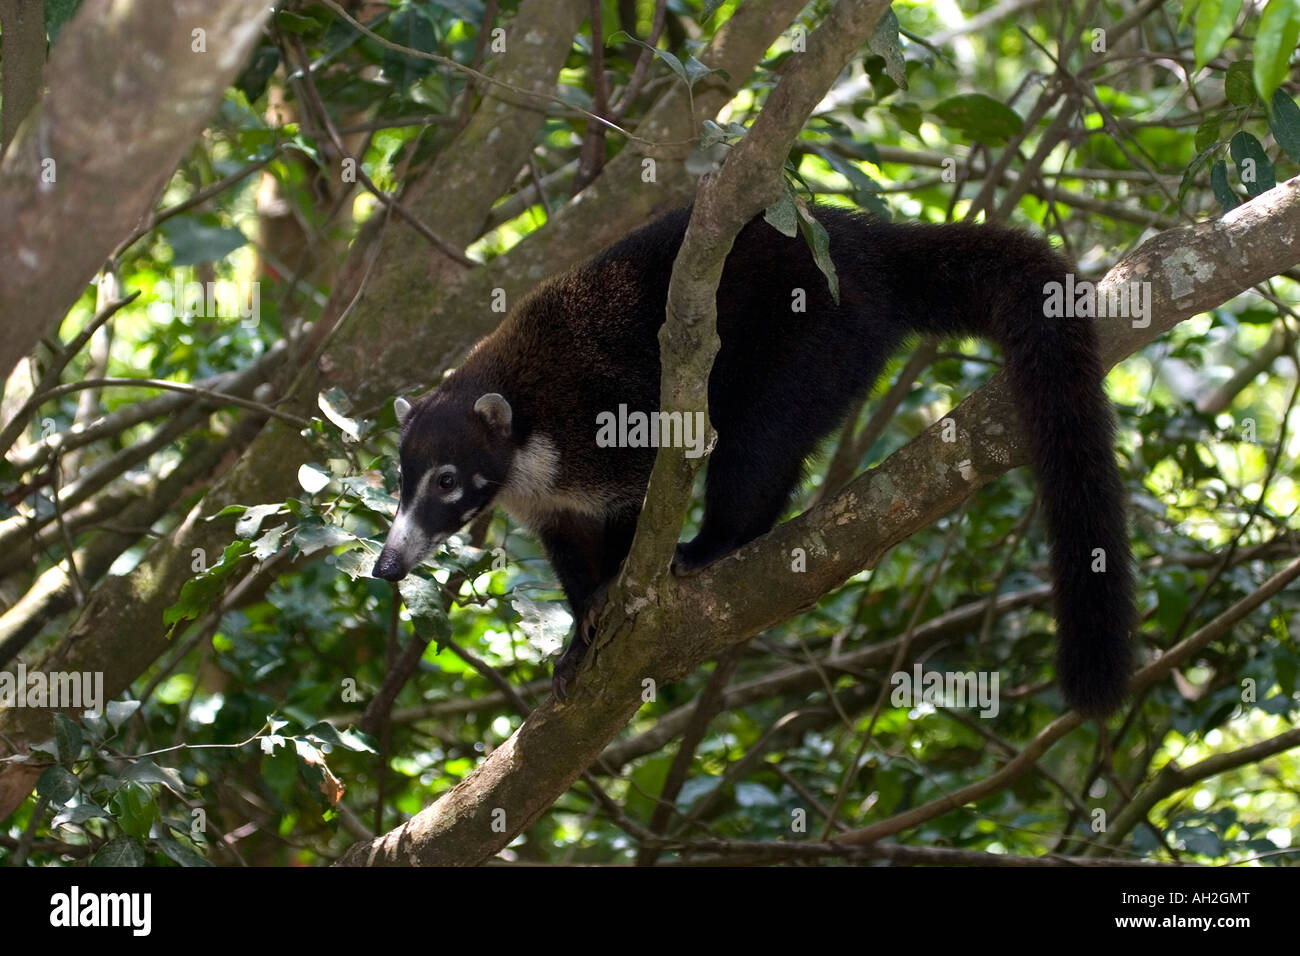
586,552
749,483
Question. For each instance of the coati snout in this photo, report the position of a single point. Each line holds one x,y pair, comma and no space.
454,460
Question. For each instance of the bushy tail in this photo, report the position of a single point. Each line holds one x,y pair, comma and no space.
993,282
1057,376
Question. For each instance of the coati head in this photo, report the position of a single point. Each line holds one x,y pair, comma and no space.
454,460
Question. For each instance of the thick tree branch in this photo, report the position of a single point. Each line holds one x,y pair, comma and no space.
130,90
22,70
1173,778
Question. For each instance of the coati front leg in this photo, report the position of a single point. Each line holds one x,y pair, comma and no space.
586,552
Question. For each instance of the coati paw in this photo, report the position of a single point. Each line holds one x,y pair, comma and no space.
688,559
595,604
565,673
566,668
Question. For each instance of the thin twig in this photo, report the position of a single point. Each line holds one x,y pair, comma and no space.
14,427
223,398
312,97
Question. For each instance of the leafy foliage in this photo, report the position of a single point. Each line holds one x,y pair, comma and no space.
242,744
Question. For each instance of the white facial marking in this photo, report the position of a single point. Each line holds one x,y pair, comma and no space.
479,481
449,496
422,488
468,515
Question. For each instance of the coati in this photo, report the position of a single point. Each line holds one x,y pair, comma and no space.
515,424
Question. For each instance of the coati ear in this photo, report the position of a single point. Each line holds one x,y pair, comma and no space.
495,411
402,408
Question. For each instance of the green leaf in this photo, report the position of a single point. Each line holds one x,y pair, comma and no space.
545,626
1275,42
884,43
199,593
980,117
227,510
121,851
355,564
1200,840
814,233
269,542
412,29
865,188
145,770
673,63
75,816
713,135
247,526
195,240
376,499
58,785
1254,171
1284,122
1287,669
908,116
179,853
1189,175
347,739
750,794
67,739
257,74
783,215
423,598
1207,134
1172,596
696,71
313,534
135,808
296,23
1222,191
1237,85
1214,22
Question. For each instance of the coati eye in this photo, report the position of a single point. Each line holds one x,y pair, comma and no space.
447,481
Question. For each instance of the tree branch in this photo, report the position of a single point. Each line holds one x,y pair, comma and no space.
117,68
1191,269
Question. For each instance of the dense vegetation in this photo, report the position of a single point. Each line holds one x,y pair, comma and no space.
273,704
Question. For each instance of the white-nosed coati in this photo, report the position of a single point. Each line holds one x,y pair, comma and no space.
516,423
